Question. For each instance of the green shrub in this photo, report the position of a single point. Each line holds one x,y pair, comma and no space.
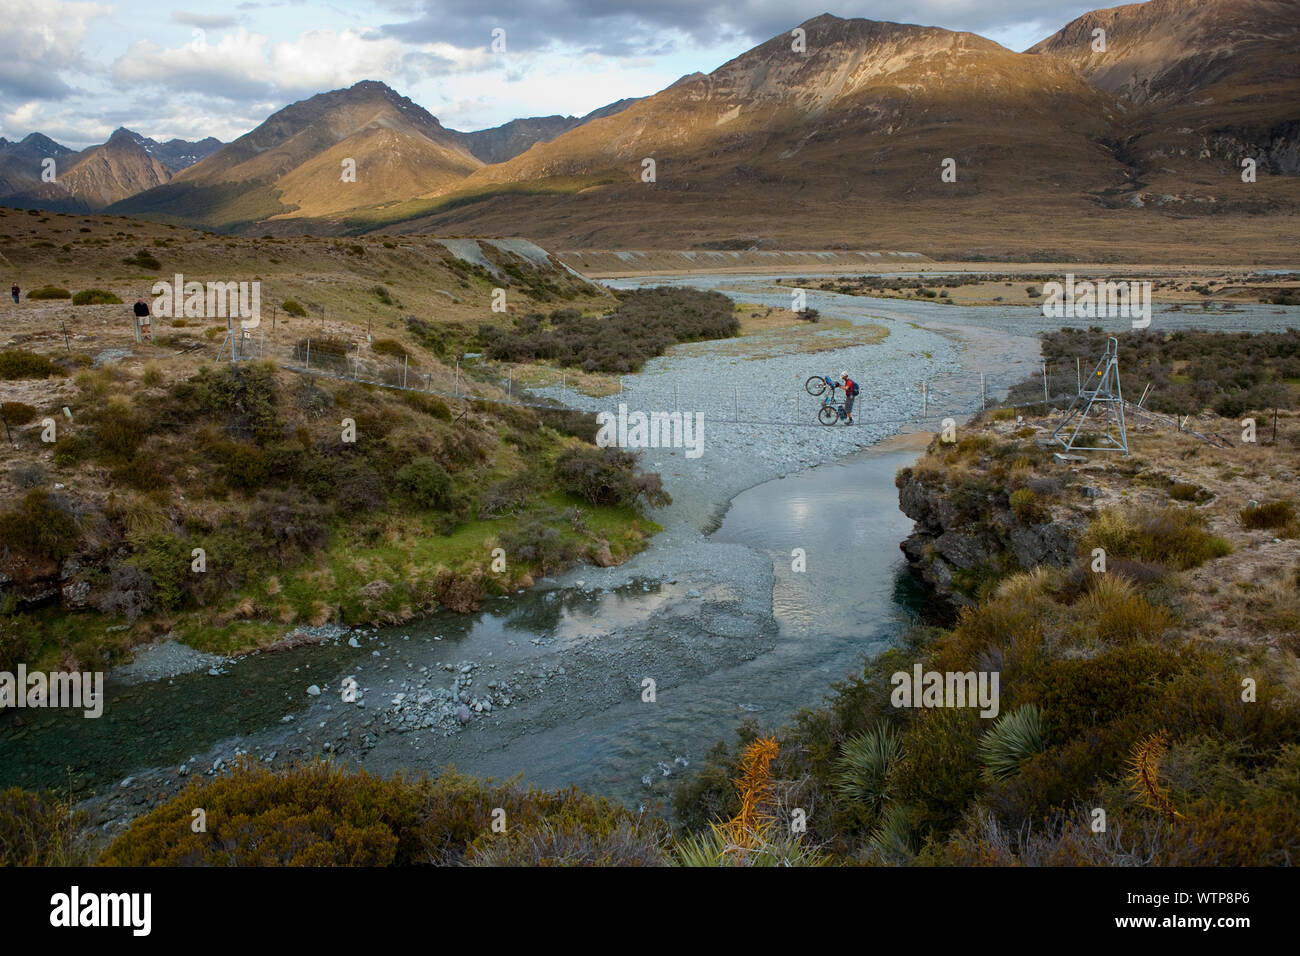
165,559
389,347
143,259
38,526
20,363
865,766
1026,507
1014,738
539,545
293,307
49,292
608,476
95,297
426,484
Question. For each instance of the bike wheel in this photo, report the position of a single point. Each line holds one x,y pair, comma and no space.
815,385
828,415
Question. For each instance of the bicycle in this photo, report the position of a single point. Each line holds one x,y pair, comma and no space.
832,411
817,384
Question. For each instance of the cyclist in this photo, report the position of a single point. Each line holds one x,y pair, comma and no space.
850,393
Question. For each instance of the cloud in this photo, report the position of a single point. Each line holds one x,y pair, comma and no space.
40,42
633,27
242,64
204,21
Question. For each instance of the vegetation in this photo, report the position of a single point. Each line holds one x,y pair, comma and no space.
49,292
95,297
320,815
646,323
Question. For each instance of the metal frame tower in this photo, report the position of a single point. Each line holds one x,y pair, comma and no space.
1103,389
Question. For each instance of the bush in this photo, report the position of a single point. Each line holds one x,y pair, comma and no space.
1024,503
41,830
389,347
49,292
538,545
293,307
1172,536
1272,516
17,413
95,297
20,363
39,527
426,484
143,259
608,476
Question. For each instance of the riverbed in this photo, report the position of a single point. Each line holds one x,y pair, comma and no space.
777,572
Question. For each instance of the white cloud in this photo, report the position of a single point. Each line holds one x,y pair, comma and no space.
40,42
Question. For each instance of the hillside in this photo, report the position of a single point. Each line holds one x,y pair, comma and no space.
1203,84
501,143
293,162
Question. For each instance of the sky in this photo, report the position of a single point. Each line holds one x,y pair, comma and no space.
76,70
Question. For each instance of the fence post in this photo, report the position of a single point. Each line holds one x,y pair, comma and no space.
1044,388
509,385
356,366
309,354
458,378
983,404
406,363
1078,376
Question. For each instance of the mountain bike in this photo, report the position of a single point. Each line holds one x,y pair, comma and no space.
818,384
832,409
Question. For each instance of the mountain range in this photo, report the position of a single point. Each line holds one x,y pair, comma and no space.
1113,133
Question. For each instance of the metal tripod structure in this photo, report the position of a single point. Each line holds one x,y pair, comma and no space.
1103,389
239,343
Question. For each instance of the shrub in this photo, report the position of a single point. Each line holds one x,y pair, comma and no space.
389,347
1014,738
1272,516
426,484
293,307
608,476
49,292
538,544
41,830
1024,504
28,475
39,527
1119,614
17,413
865,765
165,560
95,297
1172,536
20,363
143,259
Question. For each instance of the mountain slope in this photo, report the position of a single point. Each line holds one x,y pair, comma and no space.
775,139
293,162
1205,84
505,142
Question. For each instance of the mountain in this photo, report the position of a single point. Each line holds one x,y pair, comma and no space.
177,154
1203,81
505,142
778,144
295,162
126,164
21,162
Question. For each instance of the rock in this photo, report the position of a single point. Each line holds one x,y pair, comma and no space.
353,642
313,691
463,714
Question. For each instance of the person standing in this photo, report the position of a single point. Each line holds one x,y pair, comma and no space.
850,393
142,319
15,292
